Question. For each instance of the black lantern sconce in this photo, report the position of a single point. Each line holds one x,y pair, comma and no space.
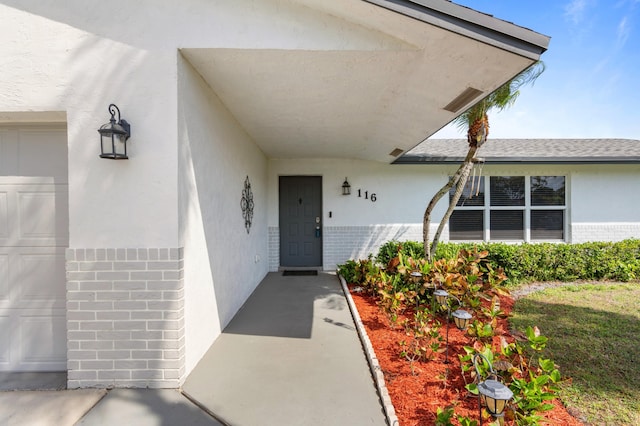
461,317
113,136
346,188
493,393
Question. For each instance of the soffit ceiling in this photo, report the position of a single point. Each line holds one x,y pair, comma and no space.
354,99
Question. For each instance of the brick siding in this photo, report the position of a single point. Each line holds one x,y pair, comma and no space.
357,242
341,243
585,232
274,248
125,318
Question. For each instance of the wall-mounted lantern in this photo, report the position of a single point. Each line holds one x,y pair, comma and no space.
346,188
113,136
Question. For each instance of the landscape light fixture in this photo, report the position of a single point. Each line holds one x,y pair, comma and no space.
460,316
493,393
346,188
441,296
114,135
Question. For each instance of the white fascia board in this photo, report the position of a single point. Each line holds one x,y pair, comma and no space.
471,23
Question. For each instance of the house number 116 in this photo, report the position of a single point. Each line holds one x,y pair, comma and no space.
371,197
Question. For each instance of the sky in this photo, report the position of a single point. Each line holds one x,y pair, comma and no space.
591,85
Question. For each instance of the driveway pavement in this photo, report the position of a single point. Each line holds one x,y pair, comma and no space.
46,408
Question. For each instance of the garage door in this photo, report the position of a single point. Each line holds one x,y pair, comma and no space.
33,237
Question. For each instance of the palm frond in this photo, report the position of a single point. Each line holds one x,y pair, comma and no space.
502,98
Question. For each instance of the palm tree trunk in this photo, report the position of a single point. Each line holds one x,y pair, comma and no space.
459,179
426,219
476,137
466,170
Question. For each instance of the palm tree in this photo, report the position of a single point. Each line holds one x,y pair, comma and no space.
476,122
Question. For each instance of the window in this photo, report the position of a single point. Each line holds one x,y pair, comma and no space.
519,208
507,225
507,191
468,224
547,207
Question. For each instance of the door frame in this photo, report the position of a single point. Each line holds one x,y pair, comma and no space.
320,187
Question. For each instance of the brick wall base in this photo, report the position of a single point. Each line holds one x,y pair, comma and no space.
125,318
341,243
357,242
585,232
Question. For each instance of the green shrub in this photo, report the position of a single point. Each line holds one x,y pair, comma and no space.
407,298
392,248
349,271
533,379
474,274
529,262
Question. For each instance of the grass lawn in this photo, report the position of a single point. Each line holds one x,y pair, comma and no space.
594,338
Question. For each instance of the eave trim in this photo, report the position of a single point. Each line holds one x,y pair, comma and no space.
471,23
519,160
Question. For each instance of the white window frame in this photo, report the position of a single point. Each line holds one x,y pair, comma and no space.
527,208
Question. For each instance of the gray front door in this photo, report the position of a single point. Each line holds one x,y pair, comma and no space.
300,221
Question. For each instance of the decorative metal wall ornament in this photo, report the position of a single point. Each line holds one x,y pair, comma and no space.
247,204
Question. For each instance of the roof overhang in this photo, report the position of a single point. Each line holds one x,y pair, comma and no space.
375,77
527,151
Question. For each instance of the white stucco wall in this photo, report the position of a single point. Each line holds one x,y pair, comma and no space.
68,61
65,61
402,192
223,263
354,226
79,56
606,193
604,205
50,64
600,205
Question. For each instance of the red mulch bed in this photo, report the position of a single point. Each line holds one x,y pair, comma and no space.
417,395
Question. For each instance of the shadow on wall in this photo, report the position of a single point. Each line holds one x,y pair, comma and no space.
75,13
216,156
380,234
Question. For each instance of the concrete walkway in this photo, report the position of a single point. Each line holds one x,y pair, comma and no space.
40,399
99,407
291,356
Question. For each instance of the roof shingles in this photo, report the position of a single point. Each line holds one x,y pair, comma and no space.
440,151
